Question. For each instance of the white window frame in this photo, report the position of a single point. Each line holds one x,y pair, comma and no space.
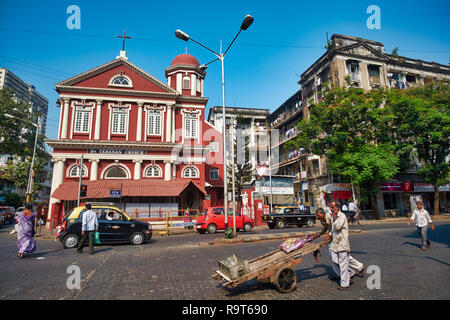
82,119
123,167
155,114
120,123
77,174
191,125
188,87
153,167
190,169
112,84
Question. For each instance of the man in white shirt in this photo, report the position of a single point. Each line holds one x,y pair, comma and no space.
89,225
422,220
340,246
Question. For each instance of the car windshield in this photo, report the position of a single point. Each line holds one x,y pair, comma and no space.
2,210
277,210
204,212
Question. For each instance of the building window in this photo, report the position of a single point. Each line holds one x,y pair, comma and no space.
198,85
74,171
119,121
190,125
82,115
116,172
121,80
190,172
154,122
214,174
353,70
374,74
186,83
153,172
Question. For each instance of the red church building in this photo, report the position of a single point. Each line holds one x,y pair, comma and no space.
143,144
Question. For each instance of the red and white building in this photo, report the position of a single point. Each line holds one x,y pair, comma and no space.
138,137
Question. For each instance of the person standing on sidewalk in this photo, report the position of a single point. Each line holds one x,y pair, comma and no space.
423,219
88,226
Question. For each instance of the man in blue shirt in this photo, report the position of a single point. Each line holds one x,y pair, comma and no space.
88,226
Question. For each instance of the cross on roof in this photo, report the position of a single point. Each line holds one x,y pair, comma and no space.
123,40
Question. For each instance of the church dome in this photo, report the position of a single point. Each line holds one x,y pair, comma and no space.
185,59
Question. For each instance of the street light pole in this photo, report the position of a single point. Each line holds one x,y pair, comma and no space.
30,174
248,20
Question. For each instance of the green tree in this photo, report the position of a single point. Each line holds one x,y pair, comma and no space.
422,129
349,126
17,138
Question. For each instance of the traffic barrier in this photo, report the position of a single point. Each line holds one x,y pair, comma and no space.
165,221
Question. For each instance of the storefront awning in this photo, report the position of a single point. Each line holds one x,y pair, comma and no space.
100,189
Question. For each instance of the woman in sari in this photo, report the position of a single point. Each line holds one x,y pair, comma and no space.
25,231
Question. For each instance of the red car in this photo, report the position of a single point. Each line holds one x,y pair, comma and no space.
213,219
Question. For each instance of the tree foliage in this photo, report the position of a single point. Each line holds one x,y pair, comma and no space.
421,128
17,138
349,126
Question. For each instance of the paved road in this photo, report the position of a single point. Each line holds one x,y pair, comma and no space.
178,267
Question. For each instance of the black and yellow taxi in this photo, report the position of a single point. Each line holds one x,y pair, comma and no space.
281,216
114,226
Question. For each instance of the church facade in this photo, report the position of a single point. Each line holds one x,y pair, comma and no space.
137,142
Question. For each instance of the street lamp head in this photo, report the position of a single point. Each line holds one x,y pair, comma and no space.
203,67
181,35
248,20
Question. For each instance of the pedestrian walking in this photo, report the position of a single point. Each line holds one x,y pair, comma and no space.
88,226
25,231
340,246
423,219
326,220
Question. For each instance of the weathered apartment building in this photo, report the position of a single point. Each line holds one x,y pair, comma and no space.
366,65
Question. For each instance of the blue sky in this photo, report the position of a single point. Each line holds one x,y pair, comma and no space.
261,69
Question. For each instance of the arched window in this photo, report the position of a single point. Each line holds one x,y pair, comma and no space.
153,172
74,171
190,172
187,83
116,172
120,80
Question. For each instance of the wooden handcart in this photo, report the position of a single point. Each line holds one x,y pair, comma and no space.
274,267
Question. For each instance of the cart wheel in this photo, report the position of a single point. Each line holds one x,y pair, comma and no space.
286,280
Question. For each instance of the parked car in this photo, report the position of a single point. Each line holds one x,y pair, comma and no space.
121,228
8,214
213,219
281,216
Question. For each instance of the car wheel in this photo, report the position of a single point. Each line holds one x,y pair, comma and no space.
271,225
70,241
212,228
201,231
280,224
248,227
137,238
310,223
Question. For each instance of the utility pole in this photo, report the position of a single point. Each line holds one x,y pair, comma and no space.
80,172
233,190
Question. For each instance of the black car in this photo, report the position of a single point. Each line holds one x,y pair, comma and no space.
114,226
282,216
